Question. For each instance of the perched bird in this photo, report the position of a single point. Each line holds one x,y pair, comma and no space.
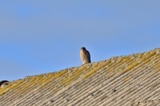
85,55
3,83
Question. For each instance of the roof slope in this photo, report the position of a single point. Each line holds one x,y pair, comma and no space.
132,80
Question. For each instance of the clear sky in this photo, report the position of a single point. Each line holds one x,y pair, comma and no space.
41,36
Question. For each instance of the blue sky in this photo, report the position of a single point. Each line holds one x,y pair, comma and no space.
44,36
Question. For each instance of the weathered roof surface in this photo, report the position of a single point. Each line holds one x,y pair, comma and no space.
132,80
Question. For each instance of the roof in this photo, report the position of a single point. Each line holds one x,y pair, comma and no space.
132,80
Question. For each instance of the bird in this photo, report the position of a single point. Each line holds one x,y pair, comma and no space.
3,83
85,55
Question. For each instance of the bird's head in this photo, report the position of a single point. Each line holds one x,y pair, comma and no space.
83,48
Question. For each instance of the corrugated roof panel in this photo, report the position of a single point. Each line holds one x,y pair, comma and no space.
131,80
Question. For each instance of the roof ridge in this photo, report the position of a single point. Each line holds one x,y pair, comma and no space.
113,58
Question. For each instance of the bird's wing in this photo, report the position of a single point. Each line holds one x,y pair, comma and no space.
88,55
